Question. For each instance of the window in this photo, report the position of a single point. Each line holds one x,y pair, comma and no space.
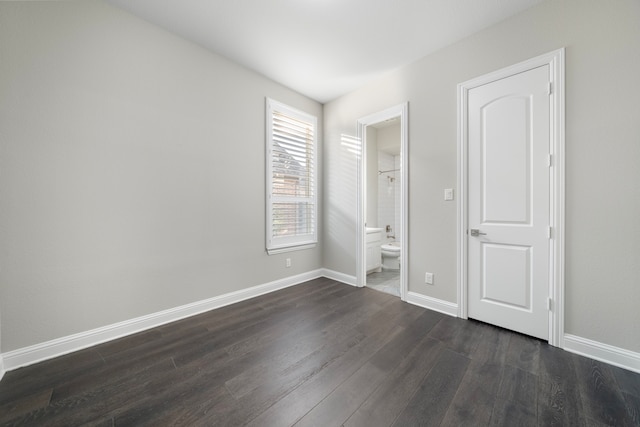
291,178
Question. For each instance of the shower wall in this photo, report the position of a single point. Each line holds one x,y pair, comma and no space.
397,193
389,193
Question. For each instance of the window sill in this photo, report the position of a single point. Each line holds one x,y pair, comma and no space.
290,248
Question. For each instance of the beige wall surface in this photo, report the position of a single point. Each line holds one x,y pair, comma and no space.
602,41
131,171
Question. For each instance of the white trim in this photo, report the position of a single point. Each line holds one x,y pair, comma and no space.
434,304
57,347
402,111
29,355
556,321
555,60
340,277
461,219
290,249
603,352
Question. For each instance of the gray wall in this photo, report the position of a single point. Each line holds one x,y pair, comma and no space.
131,171
602,148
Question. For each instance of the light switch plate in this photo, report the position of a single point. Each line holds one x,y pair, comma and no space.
448,193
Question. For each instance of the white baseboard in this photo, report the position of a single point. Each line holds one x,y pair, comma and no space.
434,304
340,277
616,356
603,352
54,348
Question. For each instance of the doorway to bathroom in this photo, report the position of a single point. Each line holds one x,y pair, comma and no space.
382,254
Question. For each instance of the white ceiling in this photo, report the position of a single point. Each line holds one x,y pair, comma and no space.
324,48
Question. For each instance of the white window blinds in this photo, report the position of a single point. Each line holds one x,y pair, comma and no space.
291,178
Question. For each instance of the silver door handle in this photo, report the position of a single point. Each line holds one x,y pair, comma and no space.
475,232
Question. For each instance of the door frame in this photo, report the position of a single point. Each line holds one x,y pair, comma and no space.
555,61
402,111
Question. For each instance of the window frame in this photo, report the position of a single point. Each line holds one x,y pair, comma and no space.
279,244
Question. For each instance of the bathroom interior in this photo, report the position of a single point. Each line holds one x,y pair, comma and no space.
383,206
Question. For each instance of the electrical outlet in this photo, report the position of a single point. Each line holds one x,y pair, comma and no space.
428,278
287,262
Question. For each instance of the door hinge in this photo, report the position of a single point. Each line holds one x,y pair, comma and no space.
549,304
549,232
549,88
549,160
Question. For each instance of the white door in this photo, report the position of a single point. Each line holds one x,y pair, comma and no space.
509,202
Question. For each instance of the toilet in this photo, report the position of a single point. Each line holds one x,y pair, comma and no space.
390,256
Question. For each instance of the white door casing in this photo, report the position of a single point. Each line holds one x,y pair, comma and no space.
402,111
511,183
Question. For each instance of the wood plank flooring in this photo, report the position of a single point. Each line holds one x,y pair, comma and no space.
321,354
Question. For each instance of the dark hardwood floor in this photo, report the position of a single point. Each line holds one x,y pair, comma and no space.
321,354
